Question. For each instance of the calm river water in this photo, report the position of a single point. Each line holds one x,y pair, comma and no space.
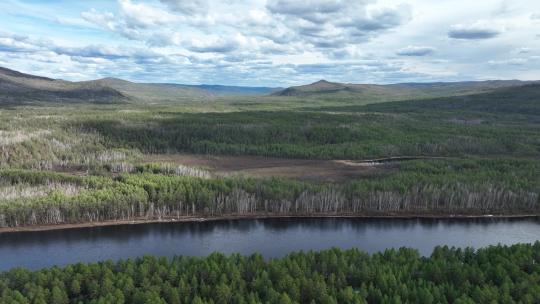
270,237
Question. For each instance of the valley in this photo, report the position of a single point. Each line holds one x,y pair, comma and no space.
269,151
465,154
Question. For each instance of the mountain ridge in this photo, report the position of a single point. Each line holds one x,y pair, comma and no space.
398,91
16,87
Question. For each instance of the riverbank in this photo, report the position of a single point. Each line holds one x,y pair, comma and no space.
262,216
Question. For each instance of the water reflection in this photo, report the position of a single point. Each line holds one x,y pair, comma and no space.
271,237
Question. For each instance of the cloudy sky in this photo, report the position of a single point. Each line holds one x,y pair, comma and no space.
272,42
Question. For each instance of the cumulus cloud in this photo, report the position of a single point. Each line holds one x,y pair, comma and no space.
379,19
190,7
334,23
106,19
111,22
512,61
21,44
326,25
164,39
212,45
276,41
140,15
96,51
40,49
416,51
311,10
10,44
132,19
473,31
522,50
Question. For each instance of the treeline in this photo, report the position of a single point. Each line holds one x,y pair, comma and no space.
316,135
428,187
497,274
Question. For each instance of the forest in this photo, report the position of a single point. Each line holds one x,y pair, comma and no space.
68,164
318,135
496,274
436,187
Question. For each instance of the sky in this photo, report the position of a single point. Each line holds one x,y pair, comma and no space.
272,42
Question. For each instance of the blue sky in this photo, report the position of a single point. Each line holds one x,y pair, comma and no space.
272,42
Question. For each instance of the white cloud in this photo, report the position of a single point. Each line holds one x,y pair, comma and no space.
140,15
17,43
277,42
522,50
416,51
212,45
189,7
512,61
111,22
474,31
106,20
333,23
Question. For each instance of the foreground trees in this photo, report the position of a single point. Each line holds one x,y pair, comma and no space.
497,274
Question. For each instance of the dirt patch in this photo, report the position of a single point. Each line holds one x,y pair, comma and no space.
257,166
386,160
469,122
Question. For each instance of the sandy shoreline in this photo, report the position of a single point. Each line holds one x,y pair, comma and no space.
187,219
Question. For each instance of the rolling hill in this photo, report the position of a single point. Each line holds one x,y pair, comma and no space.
368,93
16,87
524,99
235,90
170,92
153,92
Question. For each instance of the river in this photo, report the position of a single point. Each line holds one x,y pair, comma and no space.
270,237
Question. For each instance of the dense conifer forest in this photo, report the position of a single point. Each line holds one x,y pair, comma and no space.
497,274
323,135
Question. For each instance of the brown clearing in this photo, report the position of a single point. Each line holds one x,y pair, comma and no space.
258,166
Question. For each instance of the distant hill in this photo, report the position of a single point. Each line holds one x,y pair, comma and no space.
365,93
153,92
319,87
170,92
235,90
523,99
16,87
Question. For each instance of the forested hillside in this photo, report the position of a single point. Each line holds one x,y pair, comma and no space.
524,100
20,88
497,274
370,93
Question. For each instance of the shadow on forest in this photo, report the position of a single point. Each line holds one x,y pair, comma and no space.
315,135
